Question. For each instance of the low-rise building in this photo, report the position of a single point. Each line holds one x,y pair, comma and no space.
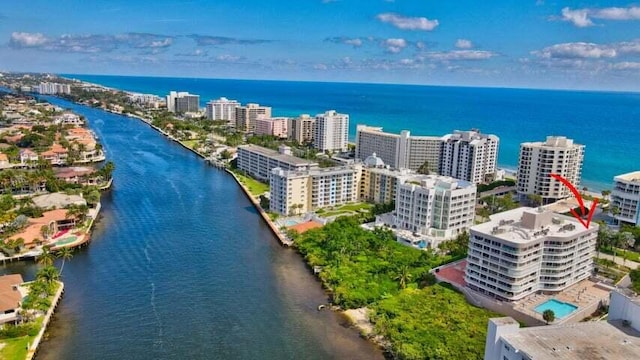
10,297
625,197
258,161
616,338
525,250
276,126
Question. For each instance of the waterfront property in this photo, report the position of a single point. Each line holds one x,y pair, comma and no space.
465,155
616,338
556,155
11,295
522,251
295,192
246,116
182,102
258,161
276,126
625,197
222,109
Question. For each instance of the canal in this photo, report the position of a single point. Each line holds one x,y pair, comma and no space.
182,267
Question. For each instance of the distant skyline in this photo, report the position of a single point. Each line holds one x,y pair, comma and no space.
593,45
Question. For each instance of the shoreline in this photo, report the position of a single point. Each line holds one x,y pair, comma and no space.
33,348
357,322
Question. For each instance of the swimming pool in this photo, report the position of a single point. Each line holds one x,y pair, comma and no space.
67,240
560,309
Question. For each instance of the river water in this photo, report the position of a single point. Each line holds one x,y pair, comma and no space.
181,266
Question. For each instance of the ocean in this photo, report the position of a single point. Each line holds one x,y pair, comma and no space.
608,123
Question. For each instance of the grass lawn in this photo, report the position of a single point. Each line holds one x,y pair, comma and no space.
190,143
15,349
337,212
629,254
356,207
255,187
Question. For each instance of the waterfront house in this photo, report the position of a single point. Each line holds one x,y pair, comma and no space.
56,221
10,297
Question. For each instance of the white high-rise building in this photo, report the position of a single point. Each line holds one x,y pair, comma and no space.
222,109
625,196
246,116
557,155
182,102
525,250
469,155
331,131
434,205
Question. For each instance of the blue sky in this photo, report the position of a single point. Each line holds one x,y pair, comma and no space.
510,43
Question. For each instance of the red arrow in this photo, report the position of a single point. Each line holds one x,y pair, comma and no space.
580,202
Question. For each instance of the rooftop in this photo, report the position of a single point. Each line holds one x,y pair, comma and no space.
10,296
305,226
526,224
290,159
581,341
633,176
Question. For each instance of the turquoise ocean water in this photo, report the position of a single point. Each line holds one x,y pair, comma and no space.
607,123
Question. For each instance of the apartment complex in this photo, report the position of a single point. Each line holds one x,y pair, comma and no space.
465,155
246,116
469,155
557,155
258,161
301,128
436,206
616,338
222,109
625,197
276,126
378,183
295,192
182,102
331,131
525,250
47,88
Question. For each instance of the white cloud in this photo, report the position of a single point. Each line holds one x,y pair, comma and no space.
408,23
394,45
577,50
228,58
353,42
578,17
459,55
464,44
626,65
320,66
582,17
23,39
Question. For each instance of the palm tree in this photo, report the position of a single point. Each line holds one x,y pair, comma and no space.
48,275
404,276
46,258
548,316
45,231
64,253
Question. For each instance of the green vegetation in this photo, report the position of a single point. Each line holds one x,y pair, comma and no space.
496,204
548,316
432,323
495,184
635,280
15,348
256,188
191,144
369,268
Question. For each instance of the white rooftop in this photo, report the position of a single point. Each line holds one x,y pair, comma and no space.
581,341
632,176
525,224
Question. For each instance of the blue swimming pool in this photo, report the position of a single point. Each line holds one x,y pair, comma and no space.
560,309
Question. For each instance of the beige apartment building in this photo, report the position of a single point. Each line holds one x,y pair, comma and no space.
246,116
297,192
556,155
300,129
276,126
525,250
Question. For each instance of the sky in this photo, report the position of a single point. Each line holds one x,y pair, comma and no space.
591,45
